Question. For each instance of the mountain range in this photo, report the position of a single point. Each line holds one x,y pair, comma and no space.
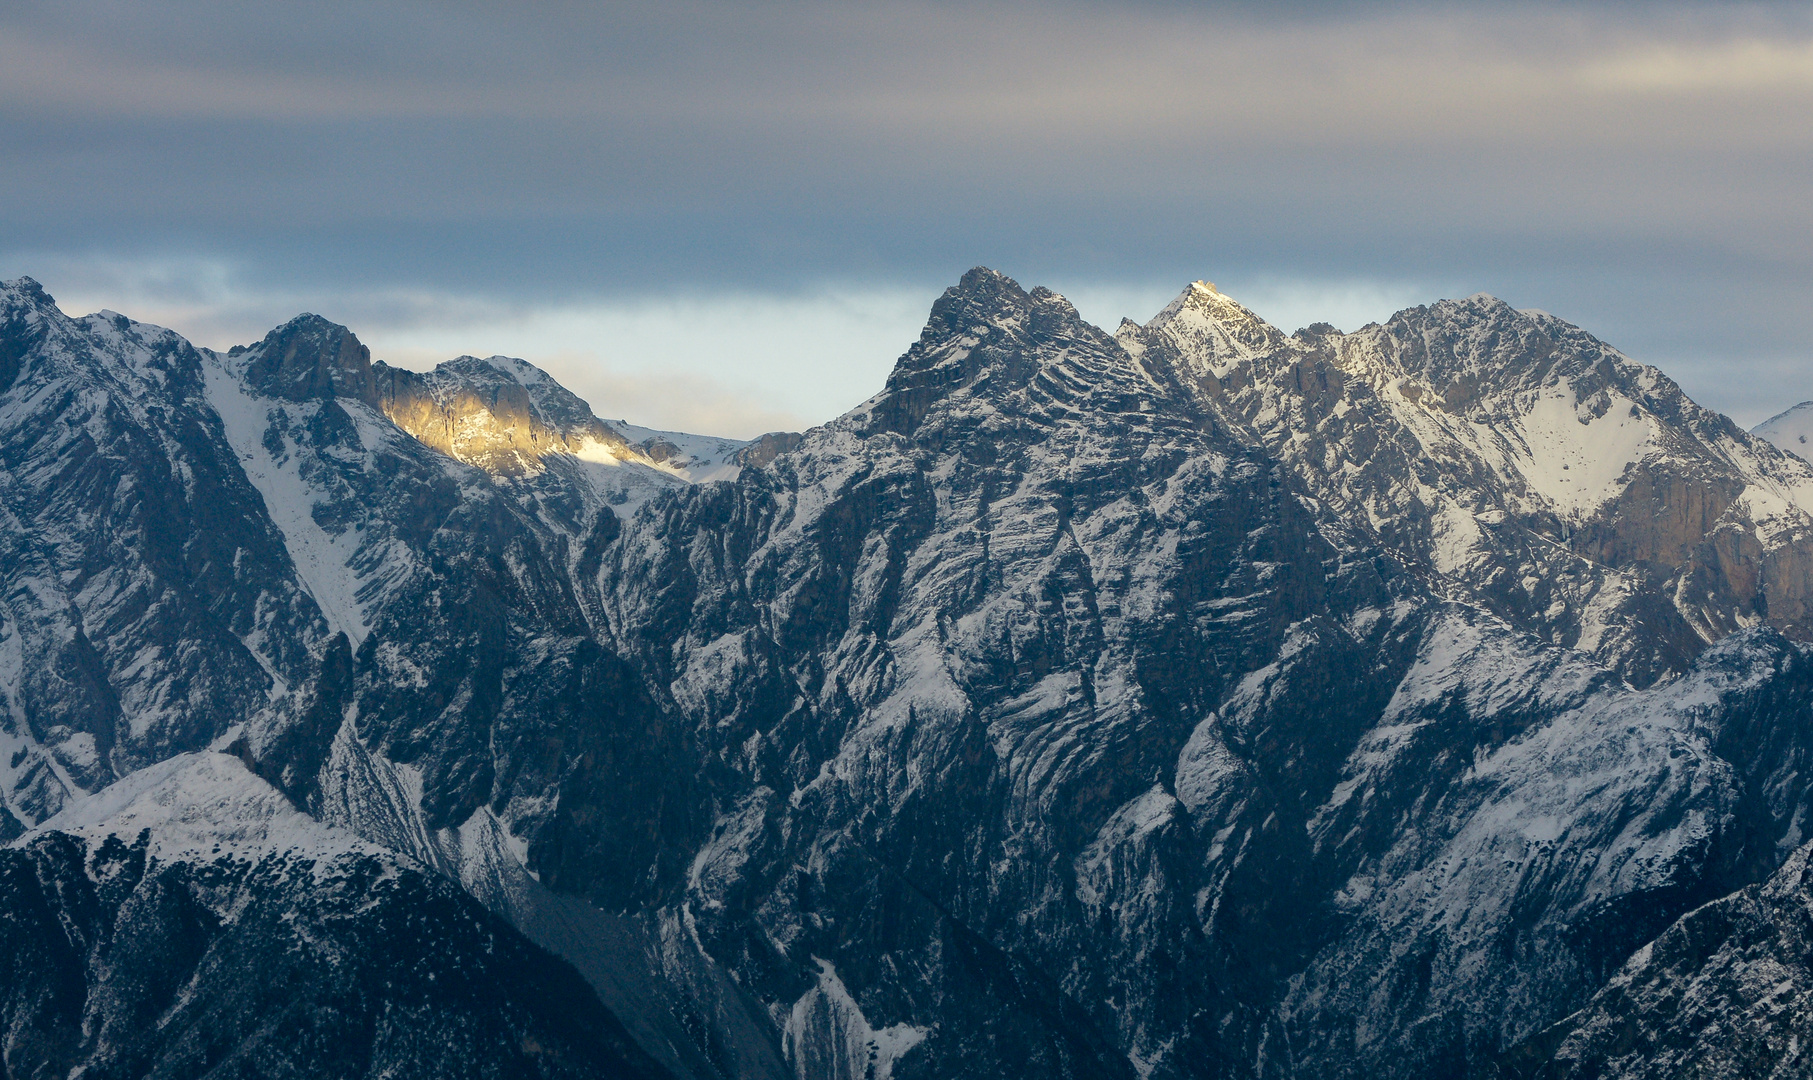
1194,700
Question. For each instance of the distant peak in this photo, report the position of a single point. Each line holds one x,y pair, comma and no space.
982,296
986,278
1789,430
26,292
1210,327
469,365
308,323
311,357
1201,300
1317,331
1805,406
1485,301
26,286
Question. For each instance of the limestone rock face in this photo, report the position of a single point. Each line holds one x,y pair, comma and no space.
307,358
502,415
1546,475
767,447
1193,701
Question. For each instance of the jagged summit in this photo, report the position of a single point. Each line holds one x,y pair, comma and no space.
22,302
982,302
993,346
310,357
25,290
1197,703
1210,327
1515,455
1507,453
501,414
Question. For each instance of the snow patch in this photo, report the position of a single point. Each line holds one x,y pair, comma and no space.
321,558
1574,459
827,1037
694,458
201,806
1791,431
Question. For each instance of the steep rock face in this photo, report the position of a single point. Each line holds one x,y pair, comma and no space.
1044,635
205,555
500,414
767,447
147,603
1518,875
194,924
938,646
472,661
1726,992
564,465
1574,491
1078,706
309,358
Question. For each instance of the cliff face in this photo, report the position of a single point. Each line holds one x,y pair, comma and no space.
1049,604
1723,993
1194,701
500,414
1546,475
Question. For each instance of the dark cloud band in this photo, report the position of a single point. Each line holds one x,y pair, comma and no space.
1639,169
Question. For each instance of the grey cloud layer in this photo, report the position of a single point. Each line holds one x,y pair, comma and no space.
1640,169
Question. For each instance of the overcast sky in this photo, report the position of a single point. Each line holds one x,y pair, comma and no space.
733,217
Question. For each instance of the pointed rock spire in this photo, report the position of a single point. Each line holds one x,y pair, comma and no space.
1208,327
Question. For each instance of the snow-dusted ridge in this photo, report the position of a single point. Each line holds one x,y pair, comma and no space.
1537,468
202,807
257,428
698,458
1197,702
510,418
1791,429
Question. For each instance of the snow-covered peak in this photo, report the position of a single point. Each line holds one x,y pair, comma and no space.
24,293
508,417
1509,450
26,310
553,405
1791,430
1210,328
500,414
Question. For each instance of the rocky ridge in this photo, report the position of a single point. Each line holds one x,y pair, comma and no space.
1541,472
1193,701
